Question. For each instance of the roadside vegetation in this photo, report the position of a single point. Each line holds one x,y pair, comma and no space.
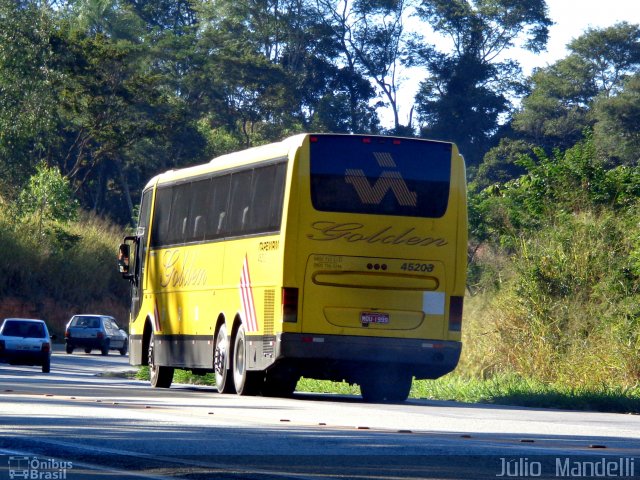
57,260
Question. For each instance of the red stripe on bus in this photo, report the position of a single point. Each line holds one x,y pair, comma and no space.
246,293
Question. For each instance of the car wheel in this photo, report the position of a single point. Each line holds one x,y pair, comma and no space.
69,349
159,376
246,383
105,348
46,365
125,348
87,350
221,361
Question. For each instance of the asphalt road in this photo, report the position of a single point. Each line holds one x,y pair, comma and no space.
87,420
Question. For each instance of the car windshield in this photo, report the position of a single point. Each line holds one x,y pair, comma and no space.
15,328
86,322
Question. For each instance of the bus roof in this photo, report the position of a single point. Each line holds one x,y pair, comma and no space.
255,154
230,160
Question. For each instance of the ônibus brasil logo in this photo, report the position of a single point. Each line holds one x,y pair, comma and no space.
38,468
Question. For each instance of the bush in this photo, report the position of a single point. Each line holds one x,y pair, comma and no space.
557,265
57,268
567,308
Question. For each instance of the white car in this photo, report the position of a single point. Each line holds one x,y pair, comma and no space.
25,341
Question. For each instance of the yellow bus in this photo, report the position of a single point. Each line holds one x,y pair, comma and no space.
337,257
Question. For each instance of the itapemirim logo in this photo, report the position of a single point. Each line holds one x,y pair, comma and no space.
37,468
388,180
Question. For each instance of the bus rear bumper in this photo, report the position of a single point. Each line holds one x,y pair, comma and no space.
317,354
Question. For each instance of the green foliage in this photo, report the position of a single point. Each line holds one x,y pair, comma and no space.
566,182
557,109
612,53
48,196
468,88
70,262
500,163
513,389
617,127
567,308
26,96
554,114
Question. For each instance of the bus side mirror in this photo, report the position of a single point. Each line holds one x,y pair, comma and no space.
124,255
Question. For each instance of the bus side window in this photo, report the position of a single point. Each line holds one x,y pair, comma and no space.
266,202
217,206
244,218
200,195
198,227
220,222
240,198
179,213
160,232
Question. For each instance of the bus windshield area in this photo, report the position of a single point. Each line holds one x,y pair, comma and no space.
380,175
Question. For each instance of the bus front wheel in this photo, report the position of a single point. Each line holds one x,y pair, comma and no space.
246,382
224,379
159,376
386,385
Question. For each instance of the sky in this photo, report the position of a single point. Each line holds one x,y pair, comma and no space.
571,18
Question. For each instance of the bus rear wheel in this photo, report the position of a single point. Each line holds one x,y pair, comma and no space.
386,385
246,382
280,384
159,376
224,378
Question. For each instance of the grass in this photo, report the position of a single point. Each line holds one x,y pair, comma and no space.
501,389
511,389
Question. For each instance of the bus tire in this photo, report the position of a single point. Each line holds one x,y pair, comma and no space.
159,376
386,386
221,354
282,385
246,382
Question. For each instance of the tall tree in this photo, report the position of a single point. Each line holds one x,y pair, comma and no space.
371,36
557,109
555,112
26,77
617,124
468,89
612,53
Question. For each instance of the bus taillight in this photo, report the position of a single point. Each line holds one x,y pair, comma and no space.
290,305
455,314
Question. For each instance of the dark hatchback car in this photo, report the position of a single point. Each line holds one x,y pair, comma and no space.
91,332
25,341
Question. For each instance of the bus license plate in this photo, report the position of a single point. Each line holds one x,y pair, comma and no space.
374,317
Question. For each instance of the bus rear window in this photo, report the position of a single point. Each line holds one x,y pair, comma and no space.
380,176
